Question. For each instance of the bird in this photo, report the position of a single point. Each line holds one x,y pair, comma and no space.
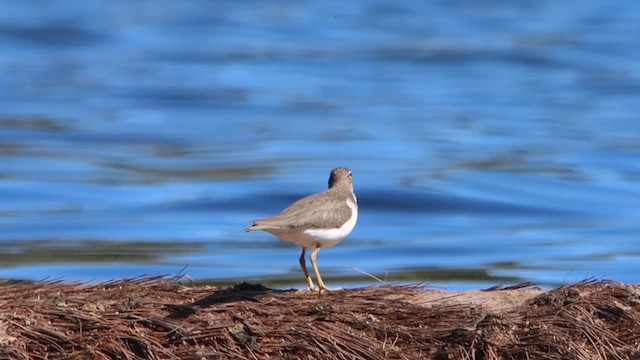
317,221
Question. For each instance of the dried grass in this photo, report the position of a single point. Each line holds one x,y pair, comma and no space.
160,318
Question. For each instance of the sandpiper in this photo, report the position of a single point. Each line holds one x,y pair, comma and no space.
316,221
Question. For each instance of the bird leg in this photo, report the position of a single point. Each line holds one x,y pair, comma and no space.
303,264
321,285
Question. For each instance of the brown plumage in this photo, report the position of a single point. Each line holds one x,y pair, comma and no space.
325,210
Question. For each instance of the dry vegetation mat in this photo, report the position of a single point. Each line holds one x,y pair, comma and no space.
161,318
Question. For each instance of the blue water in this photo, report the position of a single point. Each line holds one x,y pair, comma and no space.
491,142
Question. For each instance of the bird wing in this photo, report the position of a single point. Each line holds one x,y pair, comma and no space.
309,212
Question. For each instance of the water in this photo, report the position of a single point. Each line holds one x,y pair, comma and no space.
491,142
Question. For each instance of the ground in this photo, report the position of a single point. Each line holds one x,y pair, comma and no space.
162,318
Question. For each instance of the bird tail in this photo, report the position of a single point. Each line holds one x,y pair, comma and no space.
258,225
